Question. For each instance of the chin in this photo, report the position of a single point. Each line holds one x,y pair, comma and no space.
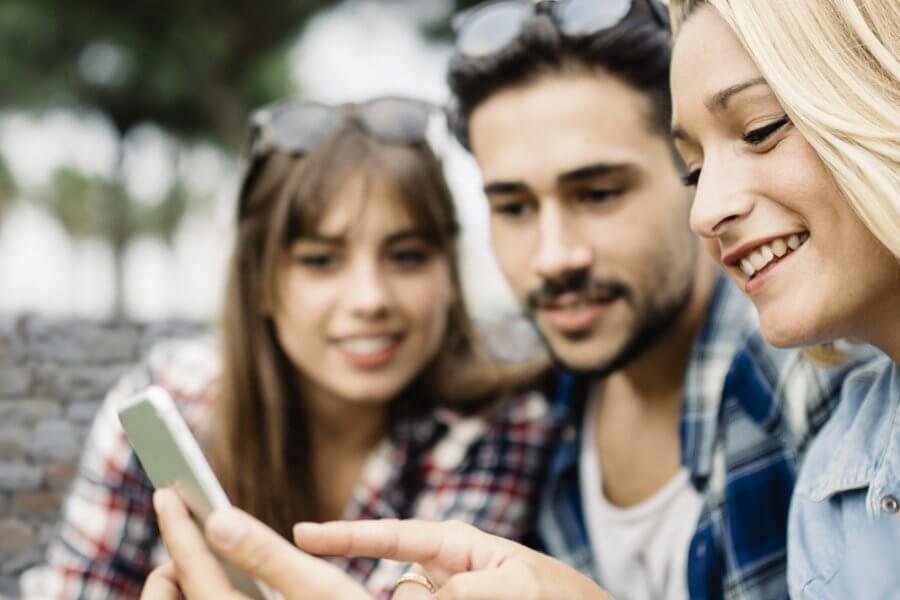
784,332
579,358
368,392
801,321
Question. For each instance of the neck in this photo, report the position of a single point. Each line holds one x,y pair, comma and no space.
343,426
883,326
656,378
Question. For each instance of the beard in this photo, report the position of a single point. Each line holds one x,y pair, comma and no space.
655,317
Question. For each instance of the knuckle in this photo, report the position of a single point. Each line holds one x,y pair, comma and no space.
460,527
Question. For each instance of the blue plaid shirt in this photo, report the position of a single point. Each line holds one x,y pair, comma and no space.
749,412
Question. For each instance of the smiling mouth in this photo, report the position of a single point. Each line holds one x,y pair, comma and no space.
371,352
770,254
369,346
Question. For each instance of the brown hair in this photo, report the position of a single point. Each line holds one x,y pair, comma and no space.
259,441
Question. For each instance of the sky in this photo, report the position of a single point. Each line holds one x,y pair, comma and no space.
360,49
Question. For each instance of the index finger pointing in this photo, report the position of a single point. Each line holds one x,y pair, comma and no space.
449,546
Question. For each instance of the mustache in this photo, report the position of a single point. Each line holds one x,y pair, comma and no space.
589,289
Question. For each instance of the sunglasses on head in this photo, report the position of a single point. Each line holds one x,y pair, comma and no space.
490,27
298,127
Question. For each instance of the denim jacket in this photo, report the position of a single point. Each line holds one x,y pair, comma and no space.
844,530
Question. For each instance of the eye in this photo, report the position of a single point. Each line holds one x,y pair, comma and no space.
513,209
691,179
317,261
758,136
409,257
596,195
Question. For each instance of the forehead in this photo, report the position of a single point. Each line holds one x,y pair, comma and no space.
366,205
707,58
559,122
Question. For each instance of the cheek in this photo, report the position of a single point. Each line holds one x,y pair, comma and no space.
301,317
427,298
513,250
427,309
713,248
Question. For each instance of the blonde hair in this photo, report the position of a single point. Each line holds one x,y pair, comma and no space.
834,66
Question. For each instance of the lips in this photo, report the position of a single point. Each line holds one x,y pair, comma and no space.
370,352
756,261
574,317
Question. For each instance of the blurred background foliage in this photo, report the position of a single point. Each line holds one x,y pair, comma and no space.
192,68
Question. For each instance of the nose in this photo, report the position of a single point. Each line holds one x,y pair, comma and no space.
722,198
561,251
368,292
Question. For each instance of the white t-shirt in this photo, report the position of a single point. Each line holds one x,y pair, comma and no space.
641,551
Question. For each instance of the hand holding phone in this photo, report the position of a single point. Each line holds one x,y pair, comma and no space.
172,458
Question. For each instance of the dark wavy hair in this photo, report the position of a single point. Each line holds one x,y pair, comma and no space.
637,51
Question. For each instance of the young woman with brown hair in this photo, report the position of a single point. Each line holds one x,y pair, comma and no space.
348,382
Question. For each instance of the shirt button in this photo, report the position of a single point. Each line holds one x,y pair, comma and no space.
890,505
569,433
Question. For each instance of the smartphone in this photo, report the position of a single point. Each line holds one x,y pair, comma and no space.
172,458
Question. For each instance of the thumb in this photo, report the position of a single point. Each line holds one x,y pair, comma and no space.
263,554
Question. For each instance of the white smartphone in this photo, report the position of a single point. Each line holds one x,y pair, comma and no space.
172,458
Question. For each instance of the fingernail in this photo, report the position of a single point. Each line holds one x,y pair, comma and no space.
305,528
225,528
159,501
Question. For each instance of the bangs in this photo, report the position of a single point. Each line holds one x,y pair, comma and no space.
411,174
294,194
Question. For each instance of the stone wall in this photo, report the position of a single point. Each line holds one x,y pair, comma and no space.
53,377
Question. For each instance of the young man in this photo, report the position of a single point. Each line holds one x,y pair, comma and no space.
680,429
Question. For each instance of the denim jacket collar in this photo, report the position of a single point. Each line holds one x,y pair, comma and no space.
867,419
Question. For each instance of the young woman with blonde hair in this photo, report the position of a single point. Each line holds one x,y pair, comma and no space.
787,115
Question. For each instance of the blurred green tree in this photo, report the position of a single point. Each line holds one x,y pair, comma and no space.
7,188
192,67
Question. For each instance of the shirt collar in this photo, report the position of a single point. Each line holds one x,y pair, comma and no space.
861,429
730,320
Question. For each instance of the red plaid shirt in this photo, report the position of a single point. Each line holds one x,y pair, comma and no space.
482,470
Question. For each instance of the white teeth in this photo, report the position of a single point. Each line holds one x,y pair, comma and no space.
779,248
367,345
756,259
747,267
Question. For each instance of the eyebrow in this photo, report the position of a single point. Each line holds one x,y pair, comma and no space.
573,176
339,239
500,188
589,171
719,102
403,235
